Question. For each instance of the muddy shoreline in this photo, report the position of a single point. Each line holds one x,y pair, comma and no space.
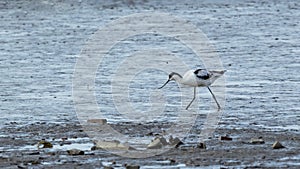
19,149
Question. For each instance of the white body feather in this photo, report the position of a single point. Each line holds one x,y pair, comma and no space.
194,80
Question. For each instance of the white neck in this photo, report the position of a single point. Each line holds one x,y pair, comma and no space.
177,78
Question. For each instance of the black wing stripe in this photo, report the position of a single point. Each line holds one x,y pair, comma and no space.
202,74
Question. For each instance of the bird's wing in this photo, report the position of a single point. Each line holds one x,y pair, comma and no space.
202,74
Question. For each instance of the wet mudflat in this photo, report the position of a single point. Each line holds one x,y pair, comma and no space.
257,41
19,149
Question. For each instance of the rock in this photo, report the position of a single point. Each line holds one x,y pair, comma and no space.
108,167
257,141
99,121
225,138
74,152
201,146
163,140
34,153
22,166
51,153
153,134
149,134
34,162
157,143
172,161
112,145
45,144
175,141
132,167
277,145
64,138
94,148
65,143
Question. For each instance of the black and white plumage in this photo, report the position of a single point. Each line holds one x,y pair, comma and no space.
197,78
202,74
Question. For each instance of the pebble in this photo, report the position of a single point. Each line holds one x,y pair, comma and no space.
108,167
74,152
163,140
64,138
175,141
99,121
21,166
157,143
226,138
201,146
172,161
257,141
34,153
132,167
277,145
45,144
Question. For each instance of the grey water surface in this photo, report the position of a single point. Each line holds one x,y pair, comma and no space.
258,43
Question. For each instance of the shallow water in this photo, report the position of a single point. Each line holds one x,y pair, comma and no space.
257,42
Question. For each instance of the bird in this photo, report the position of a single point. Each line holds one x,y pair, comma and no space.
196,78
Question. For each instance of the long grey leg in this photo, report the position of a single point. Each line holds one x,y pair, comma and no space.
219,107
193,98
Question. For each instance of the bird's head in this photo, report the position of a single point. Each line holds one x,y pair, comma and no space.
172,76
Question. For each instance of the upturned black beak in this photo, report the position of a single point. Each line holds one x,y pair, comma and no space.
164,84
